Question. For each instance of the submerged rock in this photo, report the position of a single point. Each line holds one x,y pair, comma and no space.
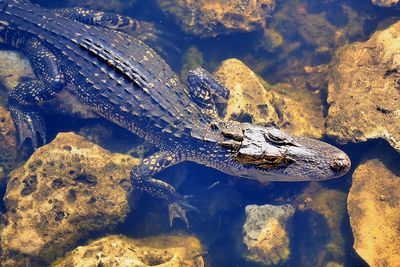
364,90
209,18
118,6
386,3
168,250
374,207
323,211
254,100
66,190
265,233
8,146
305,33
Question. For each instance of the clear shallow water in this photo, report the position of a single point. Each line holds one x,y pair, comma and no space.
218,225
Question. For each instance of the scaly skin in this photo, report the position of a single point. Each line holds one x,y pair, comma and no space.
128,83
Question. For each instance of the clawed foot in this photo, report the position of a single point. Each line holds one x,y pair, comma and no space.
179,210
30,125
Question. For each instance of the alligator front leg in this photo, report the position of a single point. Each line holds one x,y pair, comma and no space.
142,179
206,91
22,100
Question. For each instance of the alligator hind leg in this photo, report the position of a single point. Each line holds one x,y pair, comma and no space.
142,179
23,98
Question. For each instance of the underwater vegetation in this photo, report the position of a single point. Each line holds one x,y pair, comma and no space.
323,69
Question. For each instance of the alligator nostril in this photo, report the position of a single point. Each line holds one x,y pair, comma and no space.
340,164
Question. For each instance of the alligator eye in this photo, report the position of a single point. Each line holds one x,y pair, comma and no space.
276,136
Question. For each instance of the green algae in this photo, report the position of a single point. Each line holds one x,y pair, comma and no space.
192,58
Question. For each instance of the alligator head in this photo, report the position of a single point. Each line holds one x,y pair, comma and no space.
267,153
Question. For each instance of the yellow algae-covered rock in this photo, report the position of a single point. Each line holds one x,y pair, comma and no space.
253,99
364,90
161,251
8,147
66,190
209,18
265,233
374,207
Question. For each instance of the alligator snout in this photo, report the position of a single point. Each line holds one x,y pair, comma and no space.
267,153
340,164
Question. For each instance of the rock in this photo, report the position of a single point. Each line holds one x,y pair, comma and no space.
271,40
14,68
254,100
374,207
327,239
265,233
386,3
209,18
17,68
167,250
8,145
364,90
65,191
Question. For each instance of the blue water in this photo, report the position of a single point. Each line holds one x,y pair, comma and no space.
219,227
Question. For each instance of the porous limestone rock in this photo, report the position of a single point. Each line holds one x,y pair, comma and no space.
364,90
65,191
386,3
162,251
209,18
265,233
8,146
374,207
254,100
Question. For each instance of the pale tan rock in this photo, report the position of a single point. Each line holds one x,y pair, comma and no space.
16,67
296,111
161,251
386,3
66,190
13,67
374,207
364,90
265,233
209,18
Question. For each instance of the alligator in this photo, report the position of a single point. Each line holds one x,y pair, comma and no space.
125,81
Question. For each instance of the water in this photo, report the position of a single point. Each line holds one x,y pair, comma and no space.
218,224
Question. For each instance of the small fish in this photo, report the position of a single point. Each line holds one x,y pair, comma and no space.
213,185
